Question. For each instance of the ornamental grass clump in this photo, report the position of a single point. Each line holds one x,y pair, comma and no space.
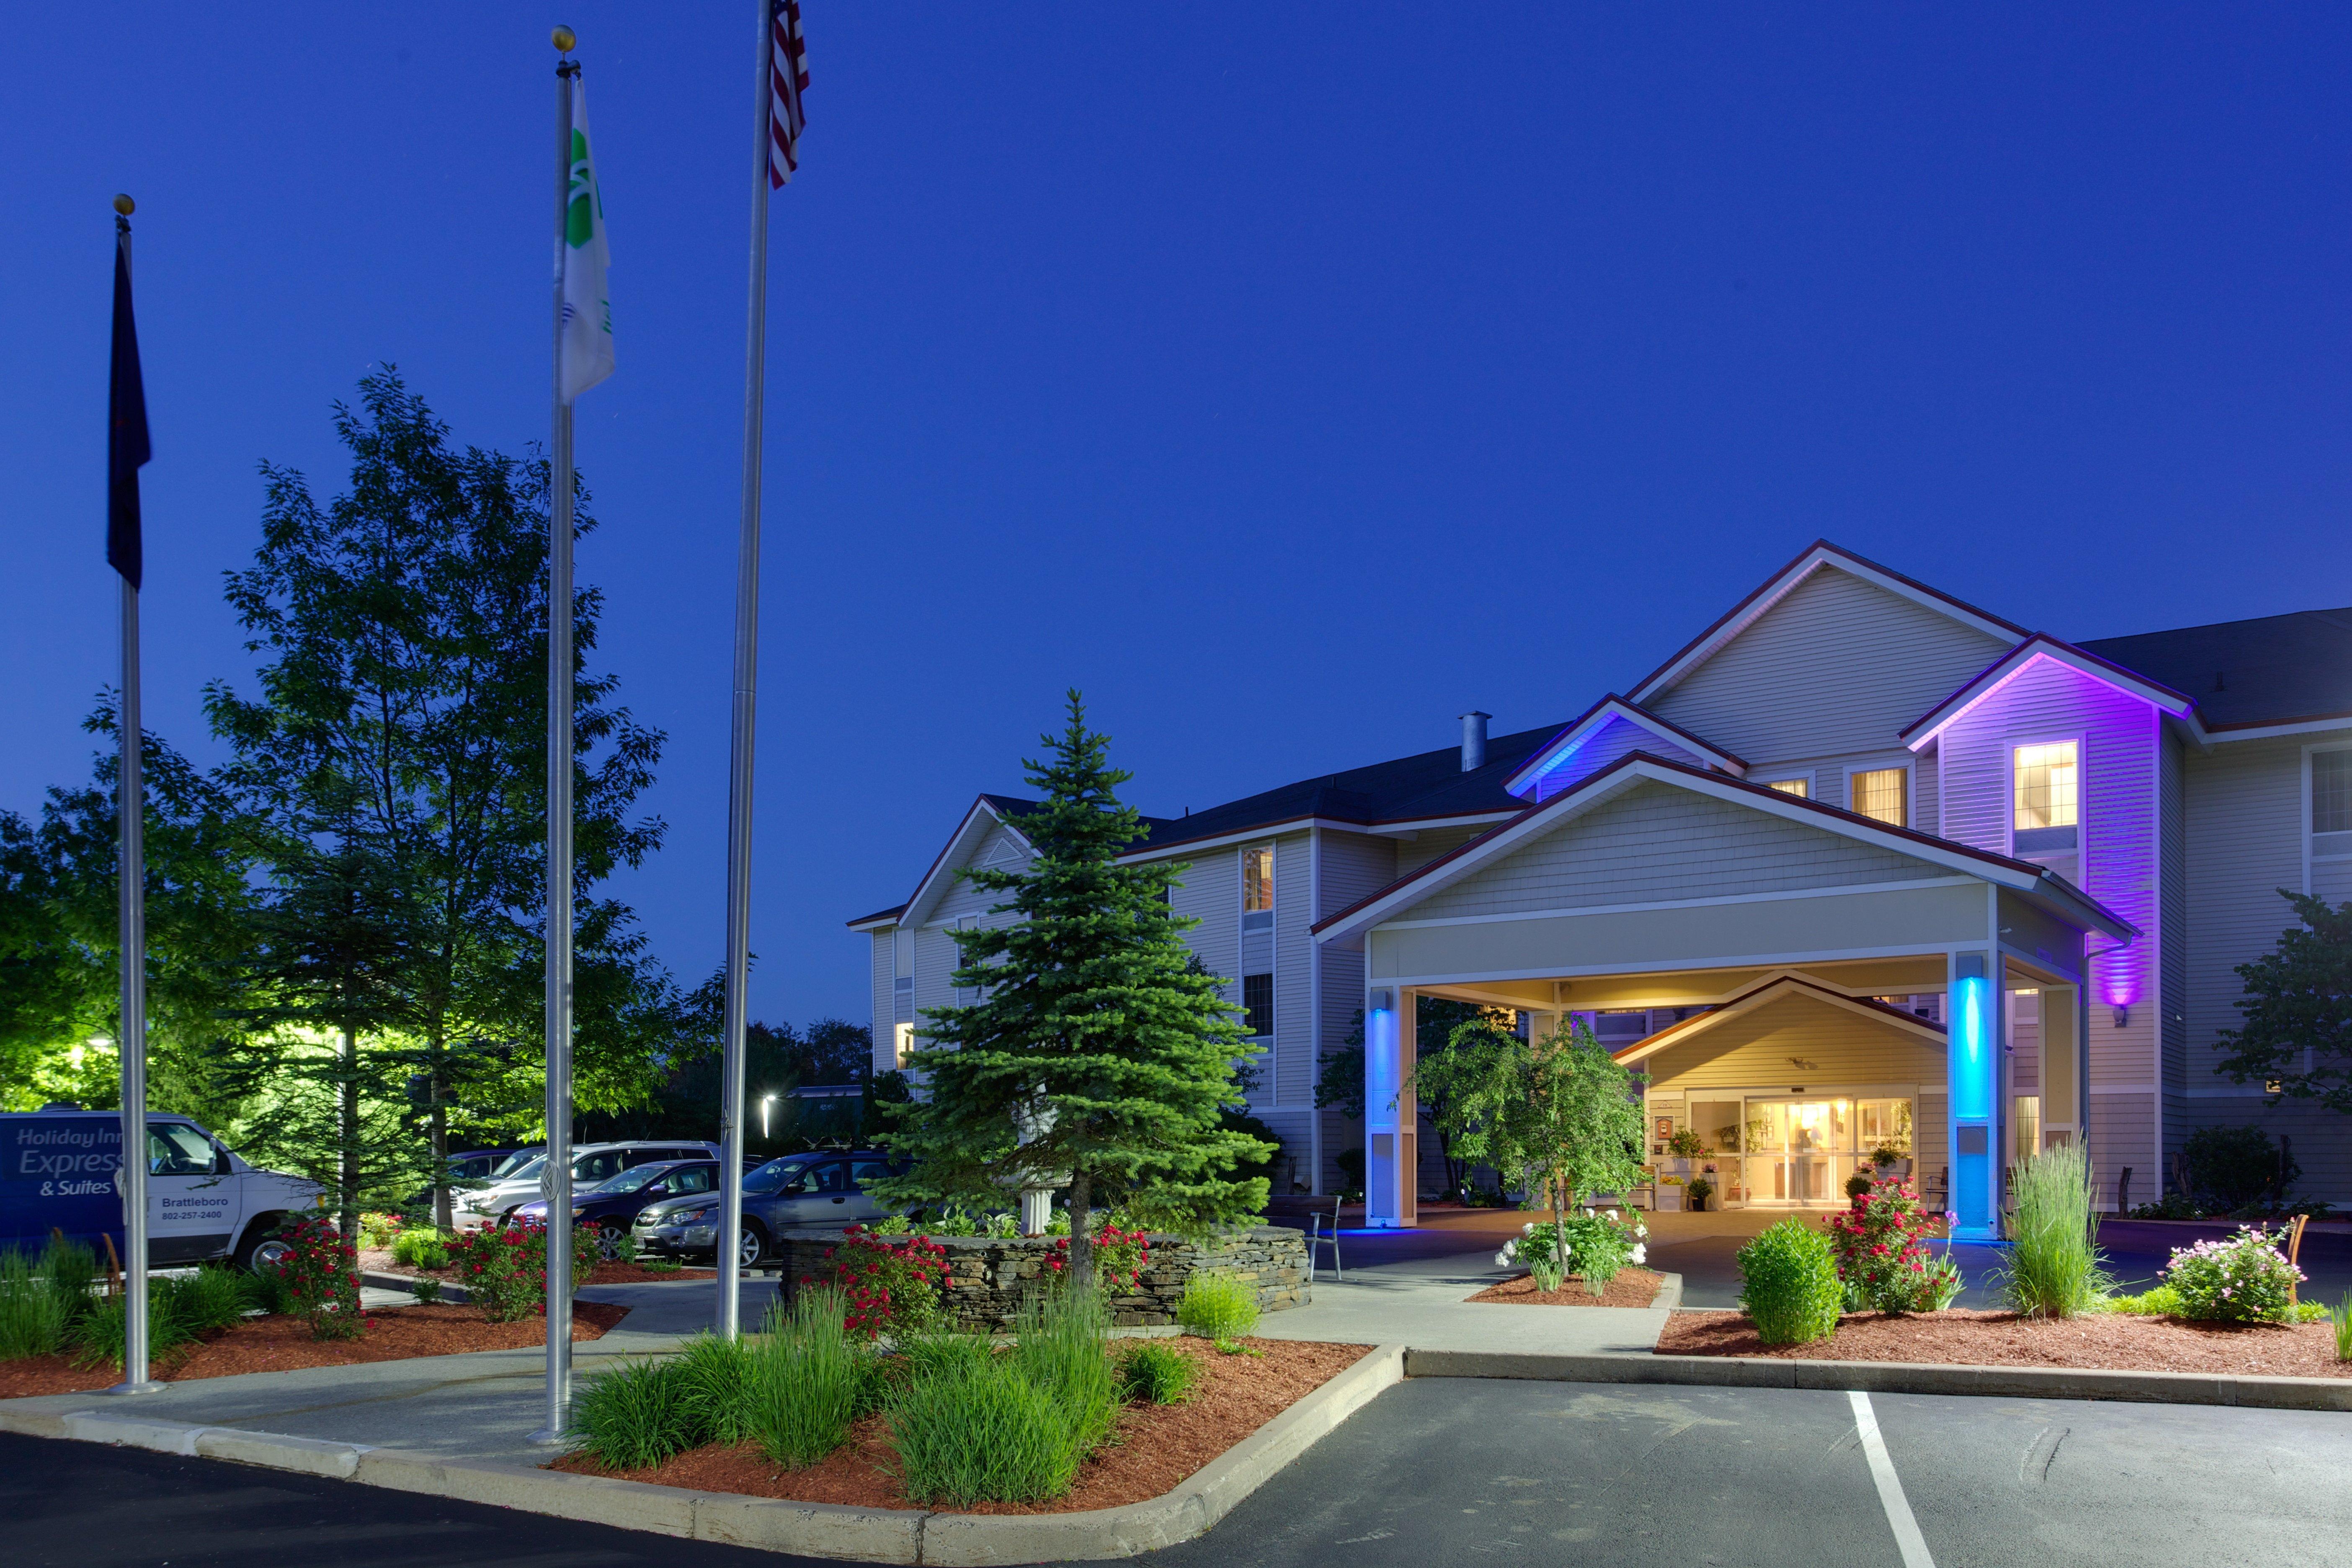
38,1302
1882,1263
637,1414
985,1434
806,1380
2339,1318
1061,1347
1155,1373
2054,1269
2245,1280
717,1375
1788,1284
1217,1305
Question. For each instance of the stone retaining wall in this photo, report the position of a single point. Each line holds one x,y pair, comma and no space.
989,1277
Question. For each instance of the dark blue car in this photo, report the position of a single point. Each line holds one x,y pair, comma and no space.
609,1208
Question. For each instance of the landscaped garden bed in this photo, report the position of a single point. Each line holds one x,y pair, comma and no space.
1629,1288
2118,1341
608,1271
284,1342
1152,1449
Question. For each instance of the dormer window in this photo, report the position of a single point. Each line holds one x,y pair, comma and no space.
1881,794
2046,816
1258,888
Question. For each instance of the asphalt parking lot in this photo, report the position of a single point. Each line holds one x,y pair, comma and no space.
1433,1473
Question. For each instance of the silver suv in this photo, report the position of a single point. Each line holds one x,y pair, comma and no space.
592,1166
824,1190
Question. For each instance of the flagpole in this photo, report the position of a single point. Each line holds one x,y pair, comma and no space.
746,708
555,1176
130,1045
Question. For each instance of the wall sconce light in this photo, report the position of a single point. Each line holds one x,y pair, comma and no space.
2122,1016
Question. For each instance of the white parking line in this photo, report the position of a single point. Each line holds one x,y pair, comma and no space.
1913,1546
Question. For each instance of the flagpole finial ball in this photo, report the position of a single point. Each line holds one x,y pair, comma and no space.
125,205
565,38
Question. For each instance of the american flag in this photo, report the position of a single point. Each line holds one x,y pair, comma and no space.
787,80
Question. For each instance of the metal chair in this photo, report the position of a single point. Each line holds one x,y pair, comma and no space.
1318,1212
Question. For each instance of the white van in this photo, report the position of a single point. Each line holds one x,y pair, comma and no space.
59,1170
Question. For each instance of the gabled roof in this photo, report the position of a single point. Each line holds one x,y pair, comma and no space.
2019,876
2292,669
1595,719
2038,649
1426,787
988,812
1771,989
1819,554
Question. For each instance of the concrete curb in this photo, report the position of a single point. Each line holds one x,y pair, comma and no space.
1670,1292
1894,1377
812,1530
456,1294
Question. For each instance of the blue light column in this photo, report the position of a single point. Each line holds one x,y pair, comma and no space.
1975,1081
1389,1114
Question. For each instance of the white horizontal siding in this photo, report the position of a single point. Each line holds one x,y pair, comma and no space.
1293,995
1839,665
2244,843
1656,842
1412,854
1002,850
881,969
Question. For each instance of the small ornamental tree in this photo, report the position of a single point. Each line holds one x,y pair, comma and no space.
1095,1056
2297,1031
1560,1116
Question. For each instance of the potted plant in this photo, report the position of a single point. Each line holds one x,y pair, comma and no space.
1699,1190
1683,1149
1670,1194
1891,1159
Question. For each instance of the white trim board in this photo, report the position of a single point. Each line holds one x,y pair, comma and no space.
1900,884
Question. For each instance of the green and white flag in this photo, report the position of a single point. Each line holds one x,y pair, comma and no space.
587,356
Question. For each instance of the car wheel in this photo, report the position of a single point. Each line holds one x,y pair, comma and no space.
261,1248
751,1248
609,1237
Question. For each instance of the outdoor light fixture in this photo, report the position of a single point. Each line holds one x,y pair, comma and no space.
765,1100
2122,1016
1973,1088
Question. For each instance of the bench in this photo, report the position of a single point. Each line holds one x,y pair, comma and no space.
1321,1216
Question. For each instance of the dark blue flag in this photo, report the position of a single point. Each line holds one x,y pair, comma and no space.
126,426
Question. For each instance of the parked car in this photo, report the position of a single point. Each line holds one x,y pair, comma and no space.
592,1164
476,1165
609,1209
823,1190
58,1171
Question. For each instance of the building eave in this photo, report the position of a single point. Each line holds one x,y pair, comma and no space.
1549,755
1980,687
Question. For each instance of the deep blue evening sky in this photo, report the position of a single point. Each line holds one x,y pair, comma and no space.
1291,378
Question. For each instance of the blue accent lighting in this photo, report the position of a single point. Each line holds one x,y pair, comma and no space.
1971,1070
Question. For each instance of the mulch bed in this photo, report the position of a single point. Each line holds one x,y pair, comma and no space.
2118,1341
1630,1287
380,1260
283,1343
1153,1450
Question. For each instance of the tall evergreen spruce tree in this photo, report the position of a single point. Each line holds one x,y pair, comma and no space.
1095,1056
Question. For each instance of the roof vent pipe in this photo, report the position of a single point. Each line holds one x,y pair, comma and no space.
1473,741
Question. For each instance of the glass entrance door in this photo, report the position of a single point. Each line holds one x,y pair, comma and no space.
1798,1151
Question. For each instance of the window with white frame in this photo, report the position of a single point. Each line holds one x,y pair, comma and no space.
1257,1006
2046,804
1801,788
1883,794
1258,888
902,1040
2331,803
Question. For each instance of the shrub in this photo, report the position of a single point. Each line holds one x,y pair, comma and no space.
2053,1269
805,1381
35,1315
1217,1305
888,1285
1120,1257
380,1230
1788,1284
504,1271
267,1290
1155,1373
636,1416
716,1377
1882,1263
2237,1166
322,1278
2163,1301
988,1434
2244,1280
427,1290
421,1248
208,1298
1597,1244
99,1335
1686,1144
1060,1348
